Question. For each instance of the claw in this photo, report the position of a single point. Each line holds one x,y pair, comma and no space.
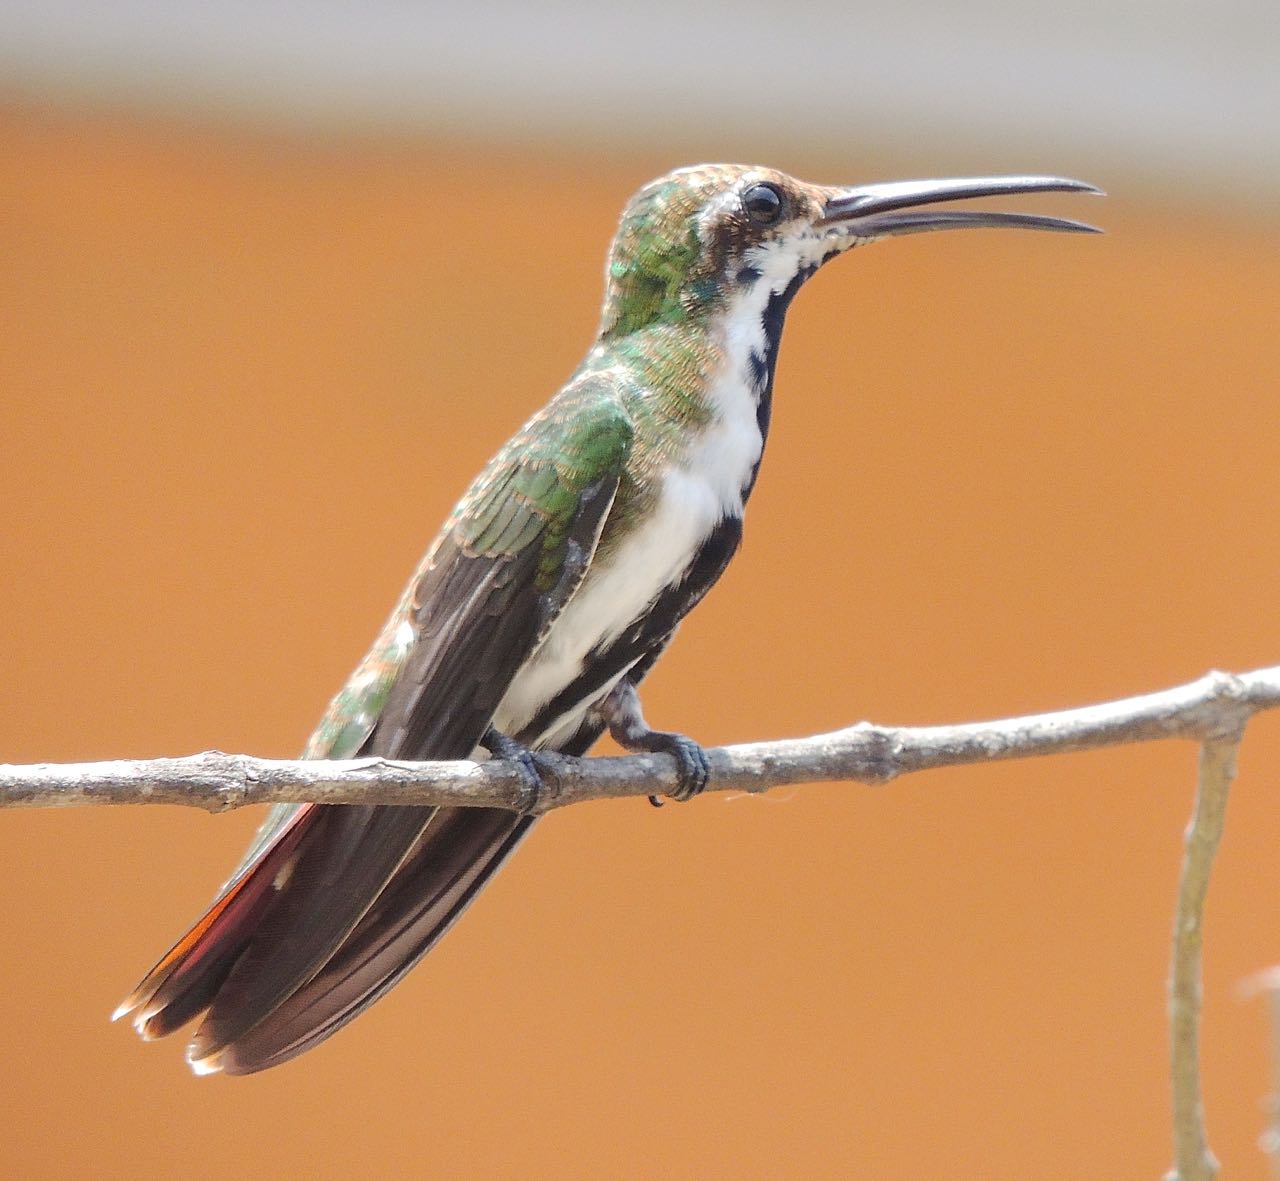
691,760
533,767
621,711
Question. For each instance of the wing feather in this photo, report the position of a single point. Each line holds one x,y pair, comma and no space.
370,888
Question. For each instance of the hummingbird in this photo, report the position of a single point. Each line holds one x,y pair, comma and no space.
547,596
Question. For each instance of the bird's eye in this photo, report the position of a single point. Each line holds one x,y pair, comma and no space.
762,204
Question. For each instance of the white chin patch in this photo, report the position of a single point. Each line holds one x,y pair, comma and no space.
779,262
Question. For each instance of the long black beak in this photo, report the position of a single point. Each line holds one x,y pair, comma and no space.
873,210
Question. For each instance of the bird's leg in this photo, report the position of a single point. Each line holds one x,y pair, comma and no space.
621,712
534,767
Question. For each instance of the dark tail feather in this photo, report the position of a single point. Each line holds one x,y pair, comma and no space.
351,853
455,857
325,919
182,984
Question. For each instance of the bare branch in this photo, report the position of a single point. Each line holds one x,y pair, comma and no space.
1193,1160
1267,983
1212,710
1270,1139
1214,707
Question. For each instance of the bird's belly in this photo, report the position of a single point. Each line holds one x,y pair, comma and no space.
652,556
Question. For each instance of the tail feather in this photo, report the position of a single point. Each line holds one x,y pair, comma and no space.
350,855
323,921
332,907
456,857
181,984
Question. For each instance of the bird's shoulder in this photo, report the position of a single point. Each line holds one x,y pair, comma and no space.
533,488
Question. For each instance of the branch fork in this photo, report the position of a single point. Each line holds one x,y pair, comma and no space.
1213,711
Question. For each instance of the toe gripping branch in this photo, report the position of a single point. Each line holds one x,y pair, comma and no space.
533,768
621,712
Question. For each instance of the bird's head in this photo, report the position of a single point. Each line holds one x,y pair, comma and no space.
690,241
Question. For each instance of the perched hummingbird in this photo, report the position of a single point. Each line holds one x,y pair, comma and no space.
557,581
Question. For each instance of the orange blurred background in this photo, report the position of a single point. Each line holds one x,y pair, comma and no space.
245,376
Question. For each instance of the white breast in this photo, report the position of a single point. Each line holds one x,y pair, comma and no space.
696,494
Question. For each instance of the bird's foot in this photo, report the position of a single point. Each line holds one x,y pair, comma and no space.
534,766
621,712
691,763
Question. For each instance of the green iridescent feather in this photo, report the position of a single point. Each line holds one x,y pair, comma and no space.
529,493
628,411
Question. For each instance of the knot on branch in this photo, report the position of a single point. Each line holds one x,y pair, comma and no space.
1227,706
880,759
223,782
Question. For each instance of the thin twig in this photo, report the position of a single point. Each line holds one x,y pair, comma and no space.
1216,705
1270,1140
1193,1160
1267,983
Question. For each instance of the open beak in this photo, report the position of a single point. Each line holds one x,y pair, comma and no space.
877,211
